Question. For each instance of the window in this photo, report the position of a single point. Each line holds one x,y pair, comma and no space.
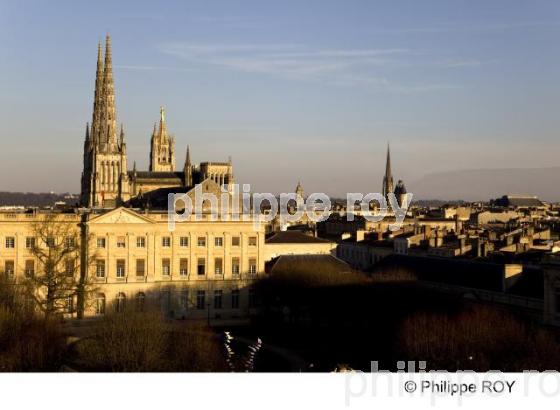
218,299
252,266
219,241
183,267
166,241
101,242
235,241
200,299
184,299
50,242
252,241
165,267
120,268
10,242
69,304
120,302
201,266
29,242
140,267
140,301
235,299
100,272
121,242
69,267
235,266
100,304
29,268
9,267
201,241
184,241
252,299
141,242
69,242
218,266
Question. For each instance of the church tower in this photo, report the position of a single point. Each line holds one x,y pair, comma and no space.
299,191
162,147
104,178
388,178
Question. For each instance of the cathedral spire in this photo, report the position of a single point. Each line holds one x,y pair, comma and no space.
187,169
388,163
162,125
109,116
388,178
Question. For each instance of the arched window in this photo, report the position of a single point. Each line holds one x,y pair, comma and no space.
100,304
121,300
140,301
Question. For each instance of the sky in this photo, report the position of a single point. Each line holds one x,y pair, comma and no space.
291,90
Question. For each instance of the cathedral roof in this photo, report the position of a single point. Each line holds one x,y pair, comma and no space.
156,174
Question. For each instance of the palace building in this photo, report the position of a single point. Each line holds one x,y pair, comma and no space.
204,268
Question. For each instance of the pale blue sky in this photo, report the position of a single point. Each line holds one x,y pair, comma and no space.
309,90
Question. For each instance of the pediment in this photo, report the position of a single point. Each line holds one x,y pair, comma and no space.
121,215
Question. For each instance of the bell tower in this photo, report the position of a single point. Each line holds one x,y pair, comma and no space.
162,147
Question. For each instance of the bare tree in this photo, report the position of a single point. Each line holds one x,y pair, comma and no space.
61,248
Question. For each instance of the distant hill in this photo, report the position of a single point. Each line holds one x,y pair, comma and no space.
35,199
485,184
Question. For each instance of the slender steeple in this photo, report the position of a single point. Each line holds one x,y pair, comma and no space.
388,178
187,169
162,126
109,112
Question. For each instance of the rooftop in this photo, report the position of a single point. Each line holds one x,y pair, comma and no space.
294,237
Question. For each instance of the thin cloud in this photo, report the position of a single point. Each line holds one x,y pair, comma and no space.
279,59
350,67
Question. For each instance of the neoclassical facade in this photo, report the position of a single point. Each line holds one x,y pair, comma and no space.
204,268
107,181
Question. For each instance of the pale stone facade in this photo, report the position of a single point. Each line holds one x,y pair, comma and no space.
202,269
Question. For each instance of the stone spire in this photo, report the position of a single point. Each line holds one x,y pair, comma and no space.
299,190
109,112
388,178
122,144
162,126
187,169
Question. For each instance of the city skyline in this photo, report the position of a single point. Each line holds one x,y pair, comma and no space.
331,94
